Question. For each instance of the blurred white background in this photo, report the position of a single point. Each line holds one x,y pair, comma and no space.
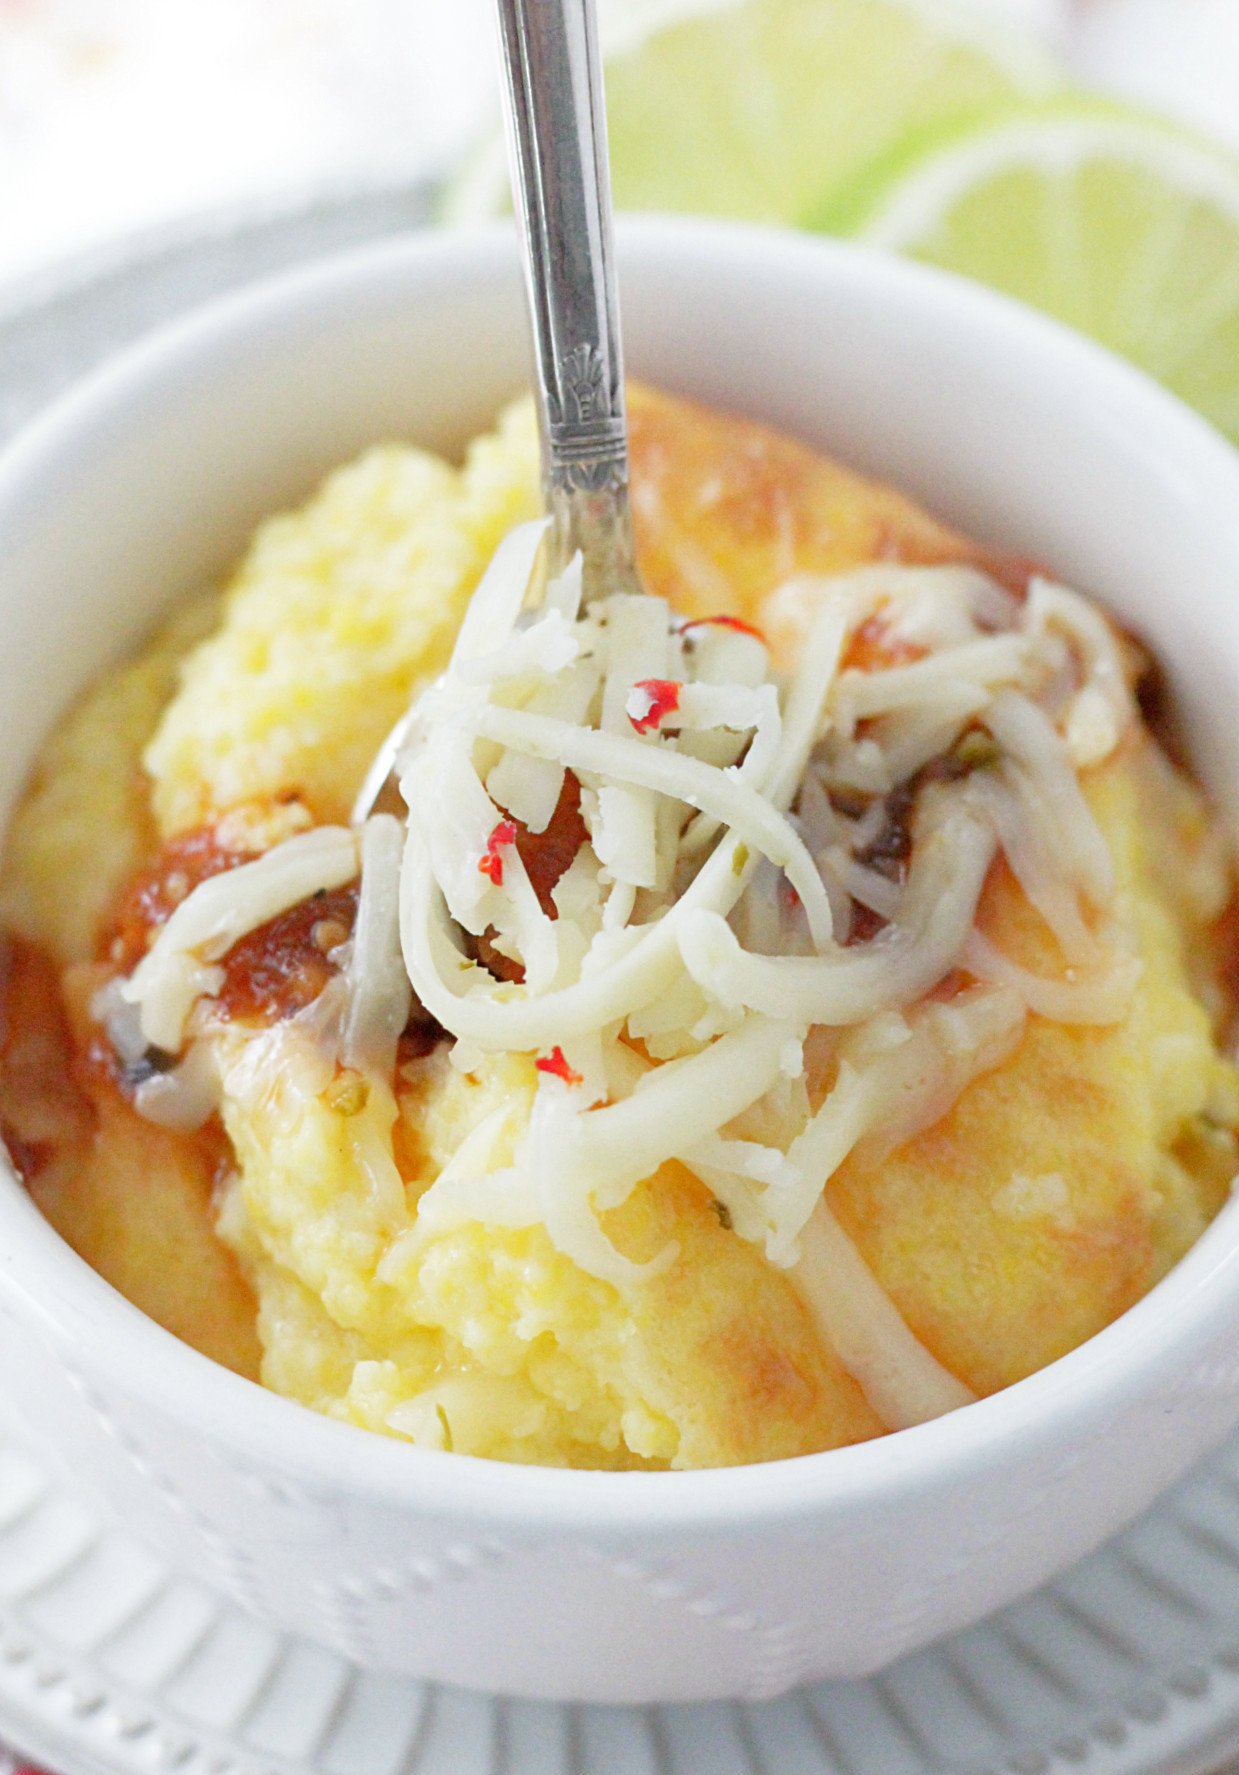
117,114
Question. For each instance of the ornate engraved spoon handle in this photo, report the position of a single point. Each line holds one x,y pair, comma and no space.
558,144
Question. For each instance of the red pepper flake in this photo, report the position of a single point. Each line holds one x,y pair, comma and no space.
557,1066
791,898
725,622
660,696
491,862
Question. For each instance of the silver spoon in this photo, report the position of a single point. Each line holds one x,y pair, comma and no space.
557,140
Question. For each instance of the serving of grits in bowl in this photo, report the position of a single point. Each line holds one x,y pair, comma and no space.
982,1143
750,1065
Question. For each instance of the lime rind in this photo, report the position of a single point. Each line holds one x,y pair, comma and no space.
918,186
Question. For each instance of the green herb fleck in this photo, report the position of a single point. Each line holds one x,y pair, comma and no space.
447,1429
977,750
740,862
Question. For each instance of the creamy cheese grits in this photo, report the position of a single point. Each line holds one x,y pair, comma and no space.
761,1016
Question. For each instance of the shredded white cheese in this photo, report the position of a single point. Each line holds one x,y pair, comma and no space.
902,1381
726,915
179,967
379,995
741,838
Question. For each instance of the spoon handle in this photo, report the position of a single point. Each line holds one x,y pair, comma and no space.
558,143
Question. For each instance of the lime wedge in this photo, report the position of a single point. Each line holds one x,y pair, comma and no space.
1117,225
768,108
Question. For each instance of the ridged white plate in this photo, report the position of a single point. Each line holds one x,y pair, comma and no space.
110,1665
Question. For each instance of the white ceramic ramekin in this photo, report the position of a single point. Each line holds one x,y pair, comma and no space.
632,1587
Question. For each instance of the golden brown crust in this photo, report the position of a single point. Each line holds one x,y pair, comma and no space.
134,1200
727,509
728,1348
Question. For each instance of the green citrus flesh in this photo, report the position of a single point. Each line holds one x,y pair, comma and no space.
1118,226
766,109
